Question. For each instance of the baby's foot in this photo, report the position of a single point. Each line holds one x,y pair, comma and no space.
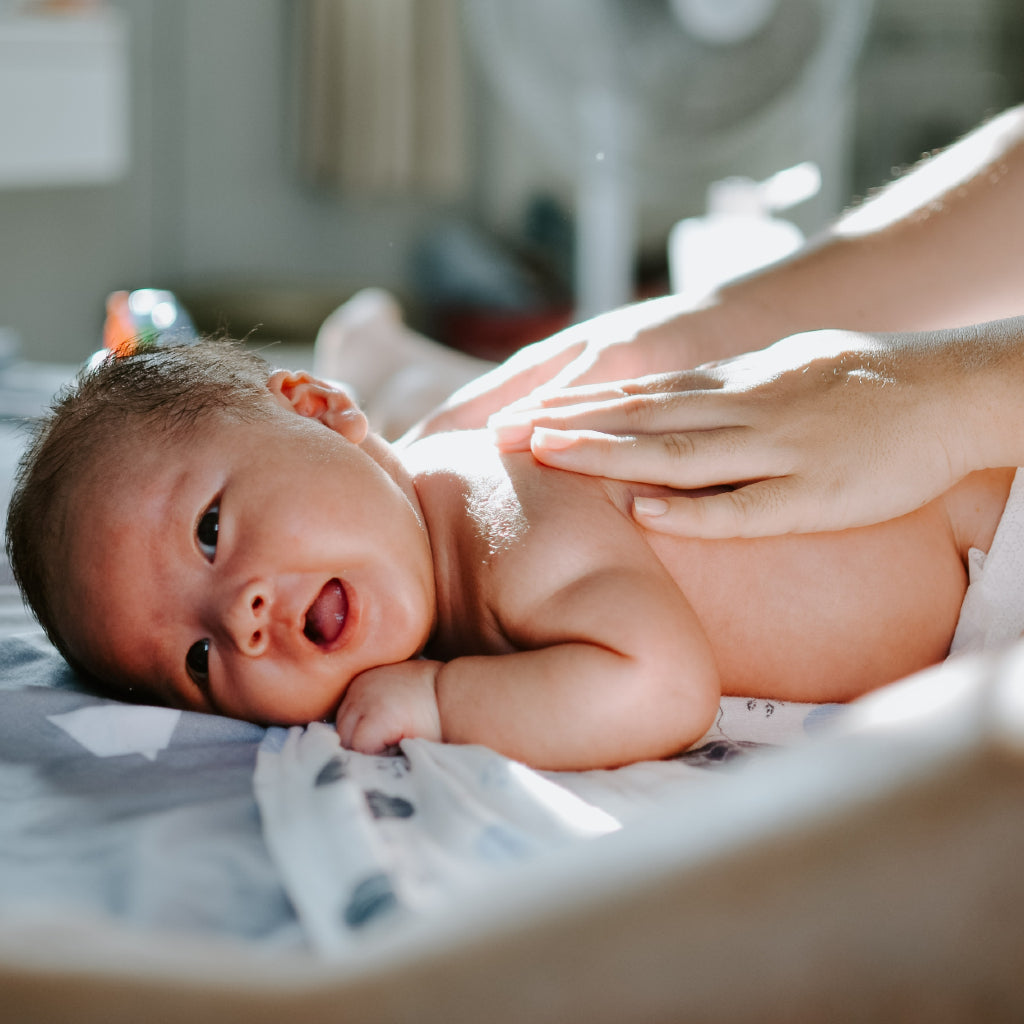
397,375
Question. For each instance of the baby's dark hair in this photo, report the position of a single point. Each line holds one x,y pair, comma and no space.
156,393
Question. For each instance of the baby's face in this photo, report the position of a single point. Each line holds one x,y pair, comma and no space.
252,571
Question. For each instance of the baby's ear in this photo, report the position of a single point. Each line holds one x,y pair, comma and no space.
321,400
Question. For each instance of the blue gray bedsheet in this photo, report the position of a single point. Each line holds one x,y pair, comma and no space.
148,815
168,838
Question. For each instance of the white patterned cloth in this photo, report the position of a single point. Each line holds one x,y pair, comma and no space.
364,845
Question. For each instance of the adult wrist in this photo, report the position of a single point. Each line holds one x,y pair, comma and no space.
992,375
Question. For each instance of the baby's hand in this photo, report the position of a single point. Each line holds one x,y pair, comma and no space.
386,704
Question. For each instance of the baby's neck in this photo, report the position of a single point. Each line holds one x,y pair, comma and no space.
450,473
389,459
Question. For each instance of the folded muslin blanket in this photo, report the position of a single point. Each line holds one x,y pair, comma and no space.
364,844
992,614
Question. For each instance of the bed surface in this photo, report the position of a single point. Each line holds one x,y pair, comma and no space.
871,866
174,820
800,863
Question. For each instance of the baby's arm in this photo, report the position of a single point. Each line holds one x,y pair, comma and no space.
617,670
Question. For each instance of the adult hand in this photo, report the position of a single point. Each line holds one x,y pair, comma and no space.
662,334
820,431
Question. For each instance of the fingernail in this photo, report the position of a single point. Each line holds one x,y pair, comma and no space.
650,506
552,440
510,433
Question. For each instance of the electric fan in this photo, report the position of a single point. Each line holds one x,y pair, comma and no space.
640,104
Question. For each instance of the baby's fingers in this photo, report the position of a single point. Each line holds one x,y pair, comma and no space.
359,728
345,724
367,734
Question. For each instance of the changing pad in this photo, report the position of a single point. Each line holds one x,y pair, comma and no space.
992,614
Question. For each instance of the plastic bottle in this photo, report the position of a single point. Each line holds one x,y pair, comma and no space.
738,234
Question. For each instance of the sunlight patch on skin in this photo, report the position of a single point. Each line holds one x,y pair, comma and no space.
929,183
498,513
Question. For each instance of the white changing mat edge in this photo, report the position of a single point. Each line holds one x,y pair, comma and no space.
992,613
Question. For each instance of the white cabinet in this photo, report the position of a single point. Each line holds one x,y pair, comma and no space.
63,99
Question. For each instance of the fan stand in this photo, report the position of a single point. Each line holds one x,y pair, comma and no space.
809,121
605,208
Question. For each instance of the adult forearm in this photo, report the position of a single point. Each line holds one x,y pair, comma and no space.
933,249
936,249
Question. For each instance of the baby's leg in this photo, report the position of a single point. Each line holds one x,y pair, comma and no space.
398,376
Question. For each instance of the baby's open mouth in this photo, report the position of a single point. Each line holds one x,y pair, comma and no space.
325,618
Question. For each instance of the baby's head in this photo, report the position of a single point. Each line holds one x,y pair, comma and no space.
193,529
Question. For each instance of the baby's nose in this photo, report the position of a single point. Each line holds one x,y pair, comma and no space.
248,619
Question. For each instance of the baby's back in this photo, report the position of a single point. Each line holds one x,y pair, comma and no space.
830,616
803,617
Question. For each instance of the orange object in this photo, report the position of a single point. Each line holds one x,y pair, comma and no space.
120,334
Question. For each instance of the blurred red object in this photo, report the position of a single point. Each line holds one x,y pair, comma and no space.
496,334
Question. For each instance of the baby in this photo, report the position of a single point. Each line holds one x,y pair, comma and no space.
193,529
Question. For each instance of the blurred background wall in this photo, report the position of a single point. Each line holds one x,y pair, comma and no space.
231,193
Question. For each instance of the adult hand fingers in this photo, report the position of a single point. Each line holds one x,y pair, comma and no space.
680,459
470,406
558,394
621,410
768,505
763,508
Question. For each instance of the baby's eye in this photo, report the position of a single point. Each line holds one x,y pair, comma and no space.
197,662
206,531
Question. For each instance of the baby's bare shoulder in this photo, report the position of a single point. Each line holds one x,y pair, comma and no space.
572,529
569,514
515,507
521,532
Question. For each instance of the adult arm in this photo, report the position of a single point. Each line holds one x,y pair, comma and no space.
821,431
934,249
